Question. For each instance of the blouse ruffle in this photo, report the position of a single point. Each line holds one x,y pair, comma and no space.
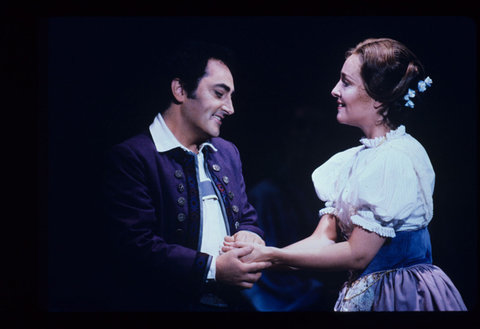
392,134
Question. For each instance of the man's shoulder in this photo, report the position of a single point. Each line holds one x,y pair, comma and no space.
141,139
140,143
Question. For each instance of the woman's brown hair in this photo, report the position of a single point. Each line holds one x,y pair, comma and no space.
388,70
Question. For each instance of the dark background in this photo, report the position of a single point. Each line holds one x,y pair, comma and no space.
97,87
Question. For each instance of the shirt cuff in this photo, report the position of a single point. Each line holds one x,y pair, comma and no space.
386,232
212,270
328,210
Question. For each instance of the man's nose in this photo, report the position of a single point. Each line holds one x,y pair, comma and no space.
228,107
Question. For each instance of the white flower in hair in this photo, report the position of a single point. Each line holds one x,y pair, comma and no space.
422,86
428,81
410,94
409,104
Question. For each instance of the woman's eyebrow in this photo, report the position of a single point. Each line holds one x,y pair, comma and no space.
348,77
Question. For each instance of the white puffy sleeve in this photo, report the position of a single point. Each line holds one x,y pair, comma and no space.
386,193
327,178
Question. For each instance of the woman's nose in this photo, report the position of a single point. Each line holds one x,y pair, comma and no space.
336,91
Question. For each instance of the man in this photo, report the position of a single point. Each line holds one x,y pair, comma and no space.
175,191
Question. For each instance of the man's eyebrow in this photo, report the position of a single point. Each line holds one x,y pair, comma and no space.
222,85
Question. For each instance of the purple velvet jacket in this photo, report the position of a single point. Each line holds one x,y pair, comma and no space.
152,201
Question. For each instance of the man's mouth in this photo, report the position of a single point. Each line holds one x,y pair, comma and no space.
218,118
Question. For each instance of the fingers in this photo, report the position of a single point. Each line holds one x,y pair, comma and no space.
249,280
242,251
257,266
231,270
227,248
229,238
236,244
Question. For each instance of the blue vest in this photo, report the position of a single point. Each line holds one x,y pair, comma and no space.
405,249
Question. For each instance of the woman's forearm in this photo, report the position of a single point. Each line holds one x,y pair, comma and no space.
320,254
310,243
329,257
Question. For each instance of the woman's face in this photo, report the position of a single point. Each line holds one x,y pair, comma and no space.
355,107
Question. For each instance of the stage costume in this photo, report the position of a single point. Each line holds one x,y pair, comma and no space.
155,202
385,186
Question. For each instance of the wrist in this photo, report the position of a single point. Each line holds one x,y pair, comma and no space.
273,255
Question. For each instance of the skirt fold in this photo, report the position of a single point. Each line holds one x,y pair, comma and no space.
422,287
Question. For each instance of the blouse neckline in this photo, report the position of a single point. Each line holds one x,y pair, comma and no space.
392,134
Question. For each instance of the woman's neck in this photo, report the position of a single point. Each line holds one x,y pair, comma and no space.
376,131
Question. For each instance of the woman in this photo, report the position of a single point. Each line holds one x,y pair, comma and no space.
378,196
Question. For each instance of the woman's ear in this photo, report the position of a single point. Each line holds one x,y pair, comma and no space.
177,90
377,104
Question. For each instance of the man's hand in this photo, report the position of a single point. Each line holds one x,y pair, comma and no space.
246,236
232,271
260,253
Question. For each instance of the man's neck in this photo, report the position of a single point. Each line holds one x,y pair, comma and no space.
174,123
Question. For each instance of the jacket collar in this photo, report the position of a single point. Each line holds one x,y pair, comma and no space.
165,140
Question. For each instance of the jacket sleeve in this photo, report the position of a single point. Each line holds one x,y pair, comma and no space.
134,226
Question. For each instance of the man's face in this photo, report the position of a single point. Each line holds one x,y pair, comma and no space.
203,115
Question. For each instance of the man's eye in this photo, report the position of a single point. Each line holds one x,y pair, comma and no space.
218,94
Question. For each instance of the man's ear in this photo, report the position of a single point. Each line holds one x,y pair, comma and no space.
177,90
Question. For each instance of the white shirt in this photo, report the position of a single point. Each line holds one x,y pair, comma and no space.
213,224
385,185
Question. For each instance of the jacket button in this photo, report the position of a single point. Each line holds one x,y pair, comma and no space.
231,195
181,217
216,167
237,225
178,174
181,188
235,208
181,201
225,179
178,233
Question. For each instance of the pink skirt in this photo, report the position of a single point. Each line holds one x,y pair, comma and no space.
421,287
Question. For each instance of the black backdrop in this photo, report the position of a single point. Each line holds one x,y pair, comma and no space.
97,88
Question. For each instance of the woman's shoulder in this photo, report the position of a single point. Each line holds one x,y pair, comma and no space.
332,167
345,155
406,147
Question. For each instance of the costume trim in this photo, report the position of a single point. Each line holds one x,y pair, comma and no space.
189,167
225,198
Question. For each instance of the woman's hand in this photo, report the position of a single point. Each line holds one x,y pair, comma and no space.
260,253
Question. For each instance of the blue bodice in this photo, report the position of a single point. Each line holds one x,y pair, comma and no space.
405,249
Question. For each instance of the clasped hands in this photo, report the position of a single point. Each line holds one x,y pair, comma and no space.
255,246
241,262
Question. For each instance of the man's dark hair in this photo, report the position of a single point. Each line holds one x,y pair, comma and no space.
188,62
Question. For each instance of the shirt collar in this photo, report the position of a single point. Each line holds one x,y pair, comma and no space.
165,140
